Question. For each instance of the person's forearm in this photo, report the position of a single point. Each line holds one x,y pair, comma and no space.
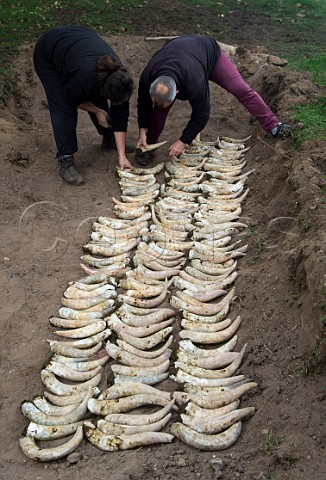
89,107
195,125
120,140
142,140
101,115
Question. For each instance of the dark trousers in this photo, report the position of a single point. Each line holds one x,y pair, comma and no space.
157,122
63,113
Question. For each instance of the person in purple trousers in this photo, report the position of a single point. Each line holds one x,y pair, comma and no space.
181,70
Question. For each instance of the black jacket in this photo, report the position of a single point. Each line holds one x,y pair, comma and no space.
73,51
189,60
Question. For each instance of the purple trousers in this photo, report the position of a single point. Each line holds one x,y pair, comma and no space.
226,75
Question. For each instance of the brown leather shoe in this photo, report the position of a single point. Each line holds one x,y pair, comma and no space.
108,143
68,171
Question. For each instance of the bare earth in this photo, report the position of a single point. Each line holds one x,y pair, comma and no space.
45,223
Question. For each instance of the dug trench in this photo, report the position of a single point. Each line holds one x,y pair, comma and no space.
280,287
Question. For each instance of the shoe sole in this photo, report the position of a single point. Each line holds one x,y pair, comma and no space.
75,184
144,163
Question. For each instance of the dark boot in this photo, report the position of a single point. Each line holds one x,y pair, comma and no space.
145,159
283,130
108,143
68,171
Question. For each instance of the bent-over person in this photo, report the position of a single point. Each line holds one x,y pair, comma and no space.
181,70
79,70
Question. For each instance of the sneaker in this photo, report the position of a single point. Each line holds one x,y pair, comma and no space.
108,143
68,171
283,130
145,159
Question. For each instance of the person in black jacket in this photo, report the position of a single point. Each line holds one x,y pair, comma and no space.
79,70
181,70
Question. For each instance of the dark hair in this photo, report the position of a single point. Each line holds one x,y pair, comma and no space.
114,81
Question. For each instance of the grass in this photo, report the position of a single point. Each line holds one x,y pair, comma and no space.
307,20
7,84
297,203
295,184
315,362
321,305
305,225
271,442
313,116
314,63
23,21
259,242
291,12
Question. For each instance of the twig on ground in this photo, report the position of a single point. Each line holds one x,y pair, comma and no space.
275,149
147,39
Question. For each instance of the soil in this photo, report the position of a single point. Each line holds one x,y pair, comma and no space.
280,284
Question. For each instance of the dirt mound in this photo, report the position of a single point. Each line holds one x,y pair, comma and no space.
280,286
280,88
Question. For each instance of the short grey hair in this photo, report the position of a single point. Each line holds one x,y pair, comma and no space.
159,97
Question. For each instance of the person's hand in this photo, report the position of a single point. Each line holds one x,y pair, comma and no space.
176,148
124,163
102,118
141,144
142,139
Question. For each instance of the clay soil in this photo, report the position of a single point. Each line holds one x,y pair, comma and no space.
280,284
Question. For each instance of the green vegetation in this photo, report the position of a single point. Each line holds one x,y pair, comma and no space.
259,241
297,203
321,305
314,363
23,21
314,64
307,20
271,442
305,225
259,245
313,116
291,13
295,184
7,83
